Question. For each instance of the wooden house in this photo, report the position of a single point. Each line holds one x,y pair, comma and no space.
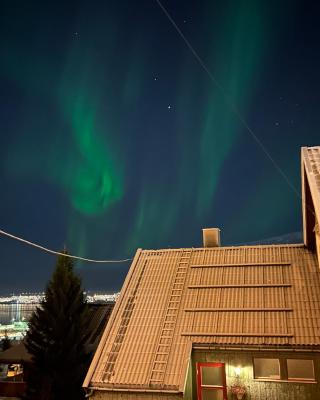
218,322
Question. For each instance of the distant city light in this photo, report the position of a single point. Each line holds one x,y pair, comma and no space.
18,327
24,298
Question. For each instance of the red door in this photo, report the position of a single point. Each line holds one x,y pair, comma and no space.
211,381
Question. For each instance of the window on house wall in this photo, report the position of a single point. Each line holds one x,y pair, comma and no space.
285,369
266,368
300,370
211,381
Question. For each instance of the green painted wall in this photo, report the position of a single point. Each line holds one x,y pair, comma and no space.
189,387
256,390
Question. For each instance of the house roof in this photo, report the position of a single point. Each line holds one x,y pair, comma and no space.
98,318
172,299
15,354
310,175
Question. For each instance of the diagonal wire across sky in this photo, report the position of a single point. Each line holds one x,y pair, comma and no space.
228,100
233,108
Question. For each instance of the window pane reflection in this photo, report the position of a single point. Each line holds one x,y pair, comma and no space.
300,369
266,368
212,376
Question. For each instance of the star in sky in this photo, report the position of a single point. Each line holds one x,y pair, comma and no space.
100,105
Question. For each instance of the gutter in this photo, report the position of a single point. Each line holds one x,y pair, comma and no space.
98,388
273,349
89,393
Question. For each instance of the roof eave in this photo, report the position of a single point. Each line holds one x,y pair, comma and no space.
128,388
310,206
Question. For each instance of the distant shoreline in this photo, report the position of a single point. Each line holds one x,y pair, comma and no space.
38,297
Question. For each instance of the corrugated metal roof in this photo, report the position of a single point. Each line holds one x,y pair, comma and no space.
310,163
257,295
312,159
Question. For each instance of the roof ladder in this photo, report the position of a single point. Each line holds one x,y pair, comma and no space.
159,367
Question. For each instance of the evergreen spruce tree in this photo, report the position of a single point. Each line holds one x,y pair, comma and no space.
56,338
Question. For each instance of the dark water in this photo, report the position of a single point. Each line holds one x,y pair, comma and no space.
17,312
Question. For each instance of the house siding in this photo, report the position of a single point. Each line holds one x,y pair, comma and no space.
134,396
256,390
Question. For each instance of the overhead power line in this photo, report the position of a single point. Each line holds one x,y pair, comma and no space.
58,253
229,101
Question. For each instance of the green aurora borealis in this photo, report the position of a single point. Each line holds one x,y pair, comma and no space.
139,148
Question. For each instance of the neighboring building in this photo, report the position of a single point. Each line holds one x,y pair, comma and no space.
214,322
14,367
15,362
99,314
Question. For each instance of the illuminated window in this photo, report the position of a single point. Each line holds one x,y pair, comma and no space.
301,370
266,368
11,372
211,381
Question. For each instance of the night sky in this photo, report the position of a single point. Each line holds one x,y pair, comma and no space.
114,137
